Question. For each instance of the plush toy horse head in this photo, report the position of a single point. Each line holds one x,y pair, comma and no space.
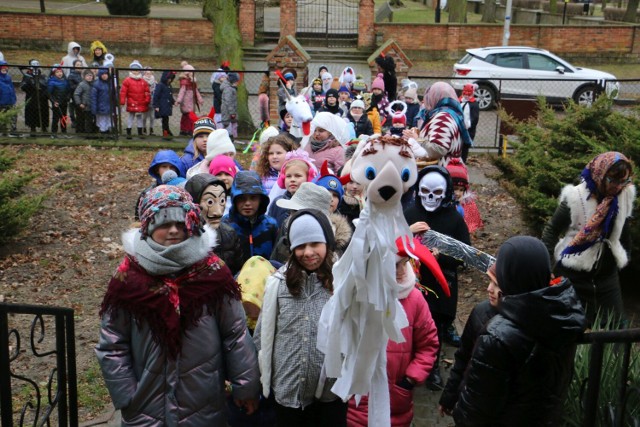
298,107
386,167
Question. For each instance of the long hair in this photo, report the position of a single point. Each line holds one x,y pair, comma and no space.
295,277
262,168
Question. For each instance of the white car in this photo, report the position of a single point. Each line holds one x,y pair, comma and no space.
527,72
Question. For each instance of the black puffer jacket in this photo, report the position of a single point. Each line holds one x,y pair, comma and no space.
523,362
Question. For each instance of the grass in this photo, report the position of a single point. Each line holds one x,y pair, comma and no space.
415,12
92,393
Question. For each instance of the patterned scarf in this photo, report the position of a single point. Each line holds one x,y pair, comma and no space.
599,225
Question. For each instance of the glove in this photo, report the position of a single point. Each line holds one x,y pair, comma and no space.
232,118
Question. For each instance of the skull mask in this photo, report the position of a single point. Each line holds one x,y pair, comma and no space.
432,189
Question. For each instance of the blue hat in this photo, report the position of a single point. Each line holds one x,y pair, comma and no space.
289,76
331,183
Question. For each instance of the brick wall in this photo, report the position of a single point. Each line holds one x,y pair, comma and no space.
140,35
287,18
450,40
247,21
366,17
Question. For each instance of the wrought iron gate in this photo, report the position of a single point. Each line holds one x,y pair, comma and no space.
49,360
259,18
332,23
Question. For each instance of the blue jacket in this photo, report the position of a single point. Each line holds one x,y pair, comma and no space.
59,90
162,96
7,91
100,95
257,237
188,160
165,156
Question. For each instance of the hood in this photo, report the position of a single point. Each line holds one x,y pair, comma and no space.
552,315
334,124
166,76
249,182
225,84
448,196
102,71
590,74
522,265
72,45
98,44
166,156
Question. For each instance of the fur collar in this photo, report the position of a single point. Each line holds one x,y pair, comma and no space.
341,229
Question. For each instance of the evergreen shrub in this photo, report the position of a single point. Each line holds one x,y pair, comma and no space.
128,7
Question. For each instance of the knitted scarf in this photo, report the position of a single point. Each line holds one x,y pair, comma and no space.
170,305
599,225
451,106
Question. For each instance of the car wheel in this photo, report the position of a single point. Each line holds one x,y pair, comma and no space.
486,97
585,95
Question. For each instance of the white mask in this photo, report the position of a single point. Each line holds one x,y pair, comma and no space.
432,189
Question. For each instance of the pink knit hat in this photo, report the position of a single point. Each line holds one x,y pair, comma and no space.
378,83
224,164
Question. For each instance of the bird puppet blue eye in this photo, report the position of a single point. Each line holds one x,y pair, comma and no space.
370,173
405,174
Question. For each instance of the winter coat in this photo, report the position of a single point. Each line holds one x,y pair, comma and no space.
412,359
257,237
74,78
278,213
101,94
333,153
188,158
70,58
446,220
374,118
478,319
59,90
522,363
217,96
135,93
412,114
152,389
229,248
270,179
36,108
82,94
162,96
229,104
472,108
7,91
188,96
362,126
165,156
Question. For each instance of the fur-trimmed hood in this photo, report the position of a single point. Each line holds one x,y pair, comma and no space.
342,231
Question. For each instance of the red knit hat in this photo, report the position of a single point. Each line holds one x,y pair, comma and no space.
399,118
458,172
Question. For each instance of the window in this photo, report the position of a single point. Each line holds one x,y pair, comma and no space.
510,60
543,62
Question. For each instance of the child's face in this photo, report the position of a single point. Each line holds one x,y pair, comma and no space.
311,255
344,96
295,175
170,233
335,200
58,73
458,191
97,51
77,64
200,140
398,125
401,268
357,111
331,100
88,77
320,134
148,73
104,76
288,119
317,87
494,292
212,204
353,189
4,70
163,167
376,91
247,204
408,100
276,156
226,178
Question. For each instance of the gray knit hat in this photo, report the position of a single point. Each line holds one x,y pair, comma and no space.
166,215
305,229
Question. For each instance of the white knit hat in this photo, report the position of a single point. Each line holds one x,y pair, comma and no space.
219,142
136,64
357,103
269,132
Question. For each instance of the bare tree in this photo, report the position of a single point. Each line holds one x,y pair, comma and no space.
632,11
489,12
457,11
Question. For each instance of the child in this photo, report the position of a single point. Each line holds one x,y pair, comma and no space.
379,99
471,111
272,157
224,168
266,134
296,169
331,103
289,86
372,113
317,95
211,194
59,94
149,116
36,107
74,77
218,143
256,230
163,101
135,94
344,98
8,97
82,101
360,121
464,198
189,98
173,327
162,161
286,332
413,107
229,105
352,201
101,101
397,111
408,363
196,149
217,78
328,133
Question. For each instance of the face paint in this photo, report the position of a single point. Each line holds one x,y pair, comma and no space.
212,204
432,189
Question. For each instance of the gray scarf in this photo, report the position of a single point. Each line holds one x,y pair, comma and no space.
160,260
318,145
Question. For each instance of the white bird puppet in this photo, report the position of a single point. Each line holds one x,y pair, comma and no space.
364,311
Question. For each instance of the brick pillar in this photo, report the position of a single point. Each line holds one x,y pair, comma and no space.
288,55
288,11
247,21
366,30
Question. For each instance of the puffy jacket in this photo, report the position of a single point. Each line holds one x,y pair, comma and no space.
162,96
71,57
229,248
523,362
333,153
7,91
135,93
188,96
82,94
413,358
258,236
229,104
153,389
74,78
362,126
101,95
59,90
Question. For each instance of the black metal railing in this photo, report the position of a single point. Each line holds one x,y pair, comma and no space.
21,367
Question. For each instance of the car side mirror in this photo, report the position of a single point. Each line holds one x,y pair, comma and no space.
560,69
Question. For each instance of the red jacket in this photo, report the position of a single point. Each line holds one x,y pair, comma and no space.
413,358
135,93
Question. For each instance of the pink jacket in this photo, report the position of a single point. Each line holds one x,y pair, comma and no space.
332,152
414,359
188,94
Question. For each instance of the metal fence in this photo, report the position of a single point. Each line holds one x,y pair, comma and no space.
38,116
49,362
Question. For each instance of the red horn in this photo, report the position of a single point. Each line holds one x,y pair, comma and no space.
324,169
212,113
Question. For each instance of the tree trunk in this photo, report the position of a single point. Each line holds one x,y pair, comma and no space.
223,14
489,12
457,11
632,11
553,6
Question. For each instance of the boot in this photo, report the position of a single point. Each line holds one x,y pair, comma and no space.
128,133
166,135
144,131
151,132
434,380
451,336
140,133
